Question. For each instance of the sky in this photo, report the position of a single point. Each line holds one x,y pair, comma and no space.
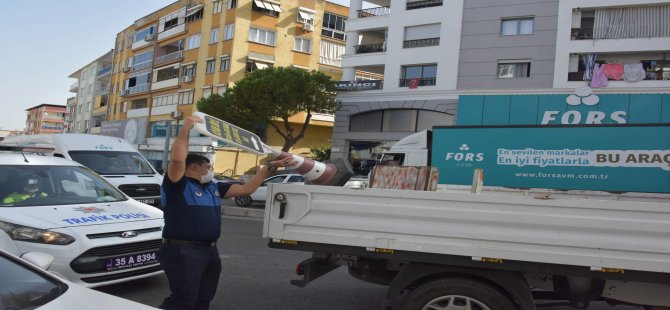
47,40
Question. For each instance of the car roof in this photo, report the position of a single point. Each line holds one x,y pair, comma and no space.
18,159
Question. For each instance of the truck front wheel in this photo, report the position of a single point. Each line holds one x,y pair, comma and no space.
456,294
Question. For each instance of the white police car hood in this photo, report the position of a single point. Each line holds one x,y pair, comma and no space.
61,216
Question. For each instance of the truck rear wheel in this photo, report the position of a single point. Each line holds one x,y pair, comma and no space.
456,294
243,201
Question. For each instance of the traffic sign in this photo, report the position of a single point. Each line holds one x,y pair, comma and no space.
231,134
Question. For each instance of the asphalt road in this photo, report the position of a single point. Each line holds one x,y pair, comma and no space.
257,277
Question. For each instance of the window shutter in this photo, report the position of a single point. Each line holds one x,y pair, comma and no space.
422,32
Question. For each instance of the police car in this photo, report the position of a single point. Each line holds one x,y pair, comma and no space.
96,234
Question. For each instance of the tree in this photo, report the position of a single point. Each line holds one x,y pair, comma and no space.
320,153
274,93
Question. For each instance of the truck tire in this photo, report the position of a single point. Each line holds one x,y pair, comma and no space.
243,201
456,293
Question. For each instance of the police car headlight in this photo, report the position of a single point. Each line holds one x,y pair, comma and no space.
31,234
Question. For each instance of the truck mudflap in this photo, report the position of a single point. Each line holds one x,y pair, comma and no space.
311,269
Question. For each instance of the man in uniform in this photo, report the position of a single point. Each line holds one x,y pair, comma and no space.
31,189
192,210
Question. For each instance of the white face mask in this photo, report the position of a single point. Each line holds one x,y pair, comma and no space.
204,179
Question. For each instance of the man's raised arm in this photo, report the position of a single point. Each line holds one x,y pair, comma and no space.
177,164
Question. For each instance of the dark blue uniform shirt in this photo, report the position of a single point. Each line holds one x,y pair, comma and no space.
192,210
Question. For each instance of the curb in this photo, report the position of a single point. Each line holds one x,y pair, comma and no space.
243,212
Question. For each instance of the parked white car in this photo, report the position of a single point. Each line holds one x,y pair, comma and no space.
96,234
261,192
25,286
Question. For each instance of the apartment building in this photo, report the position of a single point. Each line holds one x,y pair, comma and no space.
88,109
410,65
166,61
45,118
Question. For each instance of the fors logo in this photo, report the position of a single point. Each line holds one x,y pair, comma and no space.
464,155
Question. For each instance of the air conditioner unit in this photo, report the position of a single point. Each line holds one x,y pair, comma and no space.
187,79
307,27
125,69
150,37
123,92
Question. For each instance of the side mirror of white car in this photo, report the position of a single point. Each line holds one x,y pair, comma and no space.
39,259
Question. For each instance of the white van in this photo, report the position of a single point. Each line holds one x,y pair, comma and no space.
113,158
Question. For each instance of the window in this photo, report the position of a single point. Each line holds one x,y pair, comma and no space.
140,35
270,8
333,26
170,99
209,67
253,65
399,120
167,74
228,31
305,16
331,53
194,13
513,69
424,75
193,42
214,36
421,36
231,4
221,89
206,92
218,4
517,26
302,45
171,21
262,36
225,64
189,70
186,97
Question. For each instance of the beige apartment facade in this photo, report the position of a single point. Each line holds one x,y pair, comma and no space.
168,60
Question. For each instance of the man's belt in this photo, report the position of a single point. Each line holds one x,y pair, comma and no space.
201,244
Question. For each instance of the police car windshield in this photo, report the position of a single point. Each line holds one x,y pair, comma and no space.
110,162
24,185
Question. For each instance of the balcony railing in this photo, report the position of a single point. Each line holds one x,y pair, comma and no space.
411,5
74,87
378,11
420,82
141,65
137,89
421,43
370,48
169,57
104,89
104,71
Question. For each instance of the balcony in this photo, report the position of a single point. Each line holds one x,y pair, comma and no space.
656,66
178,55
74,88
104,71
102,90
141,112
137,89
419,82
411,5
370,48
631,22
372,12
141,65
421,43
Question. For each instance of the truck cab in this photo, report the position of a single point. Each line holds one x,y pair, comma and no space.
413,150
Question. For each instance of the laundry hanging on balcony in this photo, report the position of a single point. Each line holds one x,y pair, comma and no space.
634,73
589,60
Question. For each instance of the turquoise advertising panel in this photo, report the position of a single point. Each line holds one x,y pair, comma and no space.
618,158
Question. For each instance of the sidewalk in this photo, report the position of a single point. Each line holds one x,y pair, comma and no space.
229,208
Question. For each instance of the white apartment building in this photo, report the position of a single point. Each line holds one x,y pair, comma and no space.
410,65
89,108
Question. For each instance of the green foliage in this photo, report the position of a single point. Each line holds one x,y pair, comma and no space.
320,153
273,93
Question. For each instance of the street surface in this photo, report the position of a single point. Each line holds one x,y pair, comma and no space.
257,277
